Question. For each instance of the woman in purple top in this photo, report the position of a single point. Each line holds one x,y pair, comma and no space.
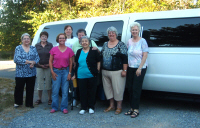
137,64
60,63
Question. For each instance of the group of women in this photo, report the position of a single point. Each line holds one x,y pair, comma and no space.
121,65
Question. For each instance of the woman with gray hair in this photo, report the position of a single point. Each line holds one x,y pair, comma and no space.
114,66
25,57
87,63
137,65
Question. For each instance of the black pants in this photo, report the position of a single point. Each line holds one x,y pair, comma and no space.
134,84
87,89
19,90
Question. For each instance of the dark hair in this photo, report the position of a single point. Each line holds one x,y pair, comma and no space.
44,33
80,31
70,27
57,38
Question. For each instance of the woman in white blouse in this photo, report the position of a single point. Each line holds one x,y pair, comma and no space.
137,65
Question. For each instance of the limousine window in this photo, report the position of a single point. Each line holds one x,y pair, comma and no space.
179,32
99,31
54,30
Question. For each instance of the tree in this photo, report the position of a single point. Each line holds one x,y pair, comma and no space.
13,25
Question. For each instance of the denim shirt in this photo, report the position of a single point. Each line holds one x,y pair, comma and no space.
20,57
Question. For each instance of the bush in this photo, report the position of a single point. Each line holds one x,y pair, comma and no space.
4,55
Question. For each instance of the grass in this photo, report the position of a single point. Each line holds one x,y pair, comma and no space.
7,111
6,93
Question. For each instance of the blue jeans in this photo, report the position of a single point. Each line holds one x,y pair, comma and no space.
61,79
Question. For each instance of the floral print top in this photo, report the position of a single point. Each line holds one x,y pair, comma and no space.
135,50
20,57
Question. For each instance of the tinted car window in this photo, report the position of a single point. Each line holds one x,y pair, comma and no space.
54,30
99,32
178,32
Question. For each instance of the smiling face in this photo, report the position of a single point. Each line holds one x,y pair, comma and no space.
80,35
26,40
135,31
68,31
61,39
112,35
85,43
43,38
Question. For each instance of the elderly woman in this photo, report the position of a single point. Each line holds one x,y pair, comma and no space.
87,67
43,70
25,57
76,46
60,63
137,64
114,67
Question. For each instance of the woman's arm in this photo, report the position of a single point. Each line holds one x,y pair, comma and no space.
98,66
18,57
144,57
124,70
51,67
70,68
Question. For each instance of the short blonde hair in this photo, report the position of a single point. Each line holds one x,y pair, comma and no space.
135,24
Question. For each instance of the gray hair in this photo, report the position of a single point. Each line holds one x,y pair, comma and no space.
86,37
112,29
135,24
25,34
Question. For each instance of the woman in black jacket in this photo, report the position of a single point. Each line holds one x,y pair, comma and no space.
87,67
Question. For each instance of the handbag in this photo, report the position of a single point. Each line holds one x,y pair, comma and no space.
116,62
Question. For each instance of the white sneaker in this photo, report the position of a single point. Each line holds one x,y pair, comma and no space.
91,111
82,112
16,105
74,102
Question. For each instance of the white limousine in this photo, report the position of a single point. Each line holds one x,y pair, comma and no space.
173,38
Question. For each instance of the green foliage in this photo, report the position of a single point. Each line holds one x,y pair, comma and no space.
28,15
4,55
13,25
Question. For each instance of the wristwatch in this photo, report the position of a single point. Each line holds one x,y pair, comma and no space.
125,70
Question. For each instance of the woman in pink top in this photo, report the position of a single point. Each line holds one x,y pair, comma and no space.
60,63
137,64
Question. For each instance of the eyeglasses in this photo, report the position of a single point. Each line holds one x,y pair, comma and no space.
26,38
61,38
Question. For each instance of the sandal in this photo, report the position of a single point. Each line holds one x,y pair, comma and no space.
49,102
38,102
118,111
129,112
135,114
109,109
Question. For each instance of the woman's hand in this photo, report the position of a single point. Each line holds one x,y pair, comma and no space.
54,75
73,77
32,63
94,48
69,77
138,72
123,73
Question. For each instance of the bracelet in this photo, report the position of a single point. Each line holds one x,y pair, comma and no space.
140,68
125,70
69,72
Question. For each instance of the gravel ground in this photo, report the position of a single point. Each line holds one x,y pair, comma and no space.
154,113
